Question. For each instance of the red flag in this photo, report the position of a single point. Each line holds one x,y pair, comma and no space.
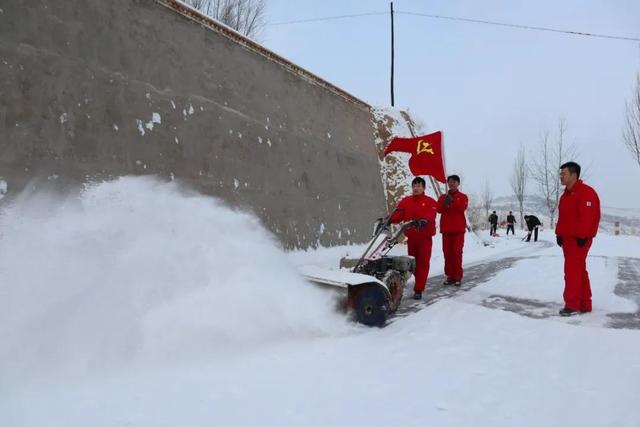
427,157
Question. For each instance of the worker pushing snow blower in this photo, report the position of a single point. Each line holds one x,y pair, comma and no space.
375,283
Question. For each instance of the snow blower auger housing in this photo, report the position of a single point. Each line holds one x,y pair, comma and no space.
374,283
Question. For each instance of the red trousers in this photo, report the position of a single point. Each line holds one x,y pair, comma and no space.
452,244
577,288
420,249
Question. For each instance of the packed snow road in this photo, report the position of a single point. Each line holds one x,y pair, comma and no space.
627,287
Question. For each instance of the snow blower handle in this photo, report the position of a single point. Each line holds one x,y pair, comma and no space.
417,223
380,225
383,223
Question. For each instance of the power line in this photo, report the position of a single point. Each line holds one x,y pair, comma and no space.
327,18
523,27
461,19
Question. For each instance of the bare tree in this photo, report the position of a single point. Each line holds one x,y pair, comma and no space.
631,132
475,213
245,16
546,167
518,181
544,174
486,197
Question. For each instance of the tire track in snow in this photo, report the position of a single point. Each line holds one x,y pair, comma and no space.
628,287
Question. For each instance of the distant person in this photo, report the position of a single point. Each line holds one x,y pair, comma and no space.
511,222
453,225
578,221
418,206
493,222
532,225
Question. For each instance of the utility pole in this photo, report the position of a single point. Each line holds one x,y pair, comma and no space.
392,53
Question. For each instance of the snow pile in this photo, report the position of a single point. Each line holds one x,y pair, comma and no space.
135,273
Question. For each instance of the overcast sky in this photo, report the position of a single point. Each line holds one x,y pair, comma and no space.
487,88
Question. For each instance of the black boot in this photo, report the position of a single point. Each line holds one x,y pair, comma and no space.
417,295
566,312
457,283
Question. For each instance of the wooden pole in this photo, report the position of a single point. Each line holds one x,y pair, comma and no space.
436,186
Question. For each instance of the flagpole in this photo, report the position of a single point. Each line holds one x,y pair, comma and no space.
434,184
392,56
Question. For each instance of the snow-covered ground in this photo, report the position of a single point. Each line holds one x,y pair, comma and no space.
143,306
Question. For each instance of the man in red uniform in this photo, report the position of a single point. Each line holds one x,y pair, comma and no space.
453,225
418,206
578,220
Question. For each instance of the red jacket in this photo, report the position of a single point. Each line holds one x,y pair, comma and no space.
452,219
416,207
578,212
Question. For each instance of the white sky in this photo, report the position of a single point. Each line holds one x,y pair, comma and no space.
487,88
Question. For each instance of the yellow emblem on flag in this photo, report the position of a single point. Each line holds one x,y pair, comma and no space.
424,147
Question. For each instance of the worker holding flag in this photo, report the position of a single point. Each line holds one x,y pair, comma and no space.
427,158
453,225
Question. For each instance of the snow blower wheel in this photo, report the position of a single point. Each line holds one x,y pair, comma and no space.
374,282
371,306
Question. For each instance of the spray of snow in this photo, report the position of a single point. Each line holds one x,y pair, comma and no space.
137,274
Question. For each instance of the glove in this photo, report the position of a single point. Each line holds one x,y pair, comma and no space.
581,242
422,223
448,200
559,241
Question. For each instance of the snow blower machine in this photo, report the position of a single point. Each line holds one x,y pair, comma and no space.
374,283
